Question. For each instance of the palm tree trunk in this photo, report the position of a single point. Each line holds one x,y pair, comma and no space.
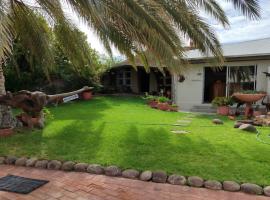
6,118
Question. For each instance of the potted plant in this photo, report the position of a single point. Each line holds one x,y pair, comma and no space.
163,103
87,95
222,104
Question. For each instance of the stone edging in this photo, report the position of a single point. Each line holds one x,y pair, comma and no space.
156,176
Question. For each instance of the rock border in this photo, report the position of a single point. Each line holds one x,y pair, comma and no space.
154,176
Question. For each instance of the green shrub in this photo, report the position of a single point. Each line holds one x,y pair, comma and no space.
163,99
47,114
222,101
148,97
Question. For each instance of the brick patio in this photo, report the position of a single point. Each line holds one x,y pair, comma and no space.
83,186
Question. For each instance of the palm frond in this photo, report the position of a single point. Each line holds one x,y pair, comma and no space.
249,8
149,29
6,32
33,34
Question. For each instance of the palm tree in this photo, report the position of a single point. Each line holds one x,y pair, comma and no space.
132,26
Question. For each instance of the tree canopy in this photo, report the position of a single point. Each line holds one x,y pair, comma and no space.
134,27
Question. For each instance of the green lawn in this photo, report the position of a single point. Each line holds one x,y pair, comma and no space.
125,132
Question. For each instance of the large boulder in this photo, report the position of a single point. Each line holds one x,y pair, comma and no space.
251,188
80,167
21,161
41,164
237,124
10,160
146,175
195,181
95,169
248,127
213,185
231,186
266,191
31,162
54,165
159,177
113,171
177,180
68,166
131,173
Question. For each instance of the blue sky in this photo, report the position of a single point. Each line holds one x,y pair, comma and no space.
241,29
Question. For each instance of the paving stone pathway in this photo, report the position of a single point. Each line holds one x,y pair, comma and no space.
83,186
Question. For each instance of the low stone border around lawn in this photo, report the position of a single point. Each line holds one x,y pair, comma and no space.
155,176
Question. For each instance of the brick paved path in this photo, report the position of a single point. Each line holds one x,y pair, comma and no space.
83,186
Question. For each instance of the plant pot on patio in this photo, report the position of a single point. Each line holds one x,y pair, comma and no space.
87,95
223,110
222,104
5,132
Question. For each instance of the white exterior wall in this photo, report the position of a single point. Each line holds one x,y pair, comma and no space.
190,92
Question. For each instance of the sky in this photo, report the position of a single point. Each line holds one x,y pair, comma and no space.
241,28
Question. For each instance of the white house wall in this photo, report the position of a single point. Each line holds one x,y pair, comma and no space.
190,92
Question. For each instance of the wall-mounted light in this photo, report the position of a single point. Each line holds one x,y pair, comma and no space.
181,78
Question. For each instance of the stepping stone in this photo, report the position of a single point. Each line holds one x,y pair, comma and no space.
180,124
184,121
179,132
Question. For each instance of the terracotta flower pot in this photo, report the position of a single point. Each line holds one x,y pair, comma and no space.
87,95
249,98
163,106
223,110
5,132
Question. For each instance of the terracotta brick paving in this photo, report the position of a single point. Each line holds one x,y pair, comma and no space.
83,186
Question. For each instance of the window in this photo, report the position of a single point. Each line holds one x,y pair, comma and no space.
124,77
242,78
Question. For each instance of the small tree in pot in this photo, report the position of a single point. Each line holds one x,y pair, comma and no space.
222,104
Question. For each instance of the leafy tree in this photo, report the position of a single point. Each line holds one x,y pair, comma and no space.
73,72
134,27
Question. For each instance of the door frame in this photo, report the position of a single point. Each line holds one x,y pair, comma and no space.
203,85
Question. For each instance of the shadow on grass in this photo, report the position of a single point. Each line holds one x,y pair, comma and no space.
80,132
66,137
